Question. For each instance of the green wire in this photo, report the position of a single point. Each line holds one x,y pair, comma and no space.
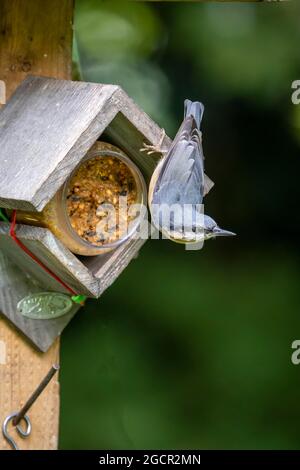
3,216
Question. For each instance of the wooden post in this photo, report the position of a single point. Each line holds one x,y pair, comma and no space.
36,39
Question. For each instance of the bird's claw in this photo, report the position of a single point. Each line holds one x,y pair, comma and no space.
150,149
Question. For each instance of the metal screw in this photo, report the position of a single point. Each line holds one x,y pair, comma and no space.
35,394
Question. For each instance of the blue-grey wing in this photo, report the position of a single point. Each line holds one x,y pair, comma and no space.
181,179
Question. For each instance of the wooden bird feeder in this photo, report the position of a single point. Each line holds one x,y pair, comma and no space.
46,129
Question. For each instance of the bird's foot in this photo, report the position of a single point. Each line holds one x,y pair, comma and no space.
150,149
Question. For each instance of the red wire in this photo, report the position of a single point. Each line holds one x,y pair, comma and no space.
29,253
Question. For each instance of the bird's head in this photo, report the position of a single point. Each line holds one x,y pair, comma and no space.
199,233
212,230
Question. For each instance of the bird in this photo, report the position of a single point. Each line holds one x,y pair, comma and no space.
179,184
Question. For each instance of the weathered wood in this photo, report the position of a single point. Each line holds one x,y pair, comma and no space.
36,37
86,275
42,333
85,110
53,254
21,370
47,127
130,128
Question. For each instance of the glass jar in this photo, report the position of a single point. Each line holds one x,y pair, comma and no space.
92,212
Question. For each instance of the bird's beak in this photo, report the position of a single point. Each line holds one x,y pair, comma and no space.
219,232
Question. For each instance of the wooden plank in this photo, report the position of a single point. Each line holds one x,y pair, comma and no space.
130,128
89,276
36,37
42,333
108,267
47,127
21,370
53,254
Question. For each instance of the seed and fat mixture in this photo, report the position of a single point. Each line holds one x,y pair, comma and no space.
100,180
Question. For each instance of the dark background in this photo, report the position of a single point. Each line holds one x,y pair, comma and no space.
192,349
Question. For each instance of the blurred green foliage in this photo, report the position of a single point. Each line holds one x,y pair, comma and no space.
192,349
239,48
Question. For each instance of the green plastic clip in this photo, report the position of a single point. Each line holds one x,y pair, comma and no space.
79,299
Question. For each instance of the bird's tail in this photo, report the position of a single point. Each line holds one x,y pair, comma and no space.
195,109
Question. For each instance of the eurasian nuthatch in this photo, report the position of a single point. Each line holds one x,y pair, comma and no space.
179,184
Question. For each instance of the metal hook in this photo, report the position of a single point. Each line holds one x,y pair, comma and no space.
23,433
18,416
